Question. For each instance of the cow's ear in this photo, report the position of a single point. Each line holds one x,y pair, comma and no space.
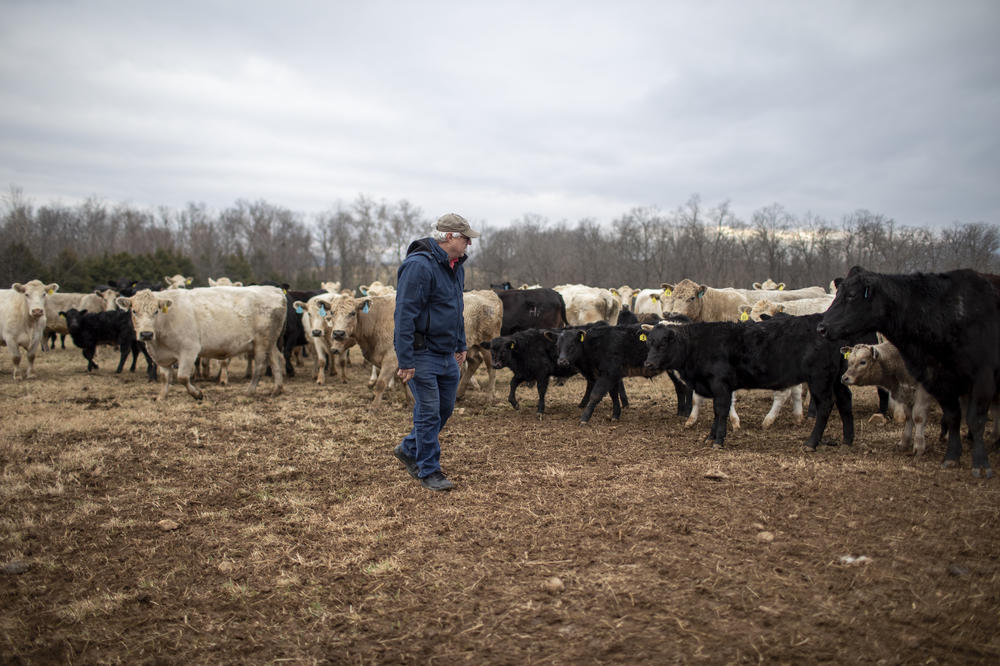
164,305
51,288
756,285
62,314
18,287
874,352
702,288
779,308
837,281
846,351
364,305
745,308
123,302
549,335
647,327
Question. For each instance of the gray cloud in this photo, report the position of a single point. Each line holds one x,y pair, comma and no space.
567,110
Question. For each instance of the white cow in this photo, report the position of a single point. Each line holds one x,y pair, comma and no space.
216,322
317,320
653,301
585,305
22,321
61,302
177,281
223,282
483,319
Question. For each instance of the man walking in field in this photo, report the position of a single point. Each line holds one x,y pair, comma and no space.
430,340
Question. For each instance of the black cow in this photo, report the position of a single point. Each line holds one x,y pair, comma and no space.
531,355
947,329
606,353
294,334
716,358
114,327
531,308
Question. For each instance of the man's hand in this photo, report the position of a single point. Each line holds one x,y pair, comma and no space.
406,374
460,357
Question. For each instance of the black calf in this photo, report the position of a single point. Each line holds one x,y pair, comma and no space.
716,358
114,327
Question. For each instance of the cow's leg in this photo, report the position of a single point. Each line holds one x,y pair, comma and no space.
951,427
150,364
918,412
169,372
340,360
586,393
983,391
684,393
15,355
845,407
319,364
721,405
277,376
822,397
734,418
491,372
511,397
542,386
88,354
906,439
224,371
883,403
621,392
617,393
124,349
696,402
602,386
778,400
185,372
382,382
472,362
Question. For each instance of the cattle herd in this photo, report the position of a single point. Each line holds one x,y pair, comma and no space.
921,337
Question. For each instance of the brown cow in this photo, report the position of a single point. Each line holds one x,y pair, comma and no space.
483,320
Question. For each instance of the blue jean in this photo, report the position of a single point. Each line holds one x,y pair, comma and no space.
434,384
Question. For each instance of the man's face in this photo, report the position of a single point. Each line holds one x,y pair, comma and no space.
455,244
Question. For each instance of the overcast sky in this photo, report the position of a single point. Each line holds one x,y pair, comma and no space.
497,109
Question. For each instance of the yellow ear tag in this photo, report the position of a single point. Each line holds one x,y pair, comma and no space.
668,292
781,288
654,298
744,316
163,308
642,337
582,335
847,354
512,345
61,315
49,292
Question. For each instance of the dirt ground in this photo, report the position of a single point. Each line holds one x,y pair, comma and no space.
294,536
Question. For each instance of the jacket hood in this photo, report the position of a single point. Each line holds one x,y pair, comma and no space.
431,247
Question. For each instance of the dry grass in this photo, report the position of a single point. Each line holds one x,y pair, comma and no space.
301,539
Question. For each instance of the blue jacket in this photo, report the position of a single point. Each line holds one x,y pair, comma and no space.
429,300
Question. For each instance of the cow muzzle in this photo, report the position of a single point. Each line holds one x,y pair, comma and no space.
146,336
316,333
339,335
37,312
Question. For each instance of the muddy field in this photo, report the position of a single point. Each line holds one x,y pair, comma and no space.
281,530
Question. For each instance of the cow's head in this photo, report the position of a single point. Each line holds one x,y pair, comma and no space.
569,345
858,307
761,308
343,320
861,364
73,318
320,310
146,308
502,350
667,346
688,299
34,293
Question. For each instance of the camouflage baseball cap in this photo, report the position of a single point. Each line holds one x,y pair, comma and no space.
456,224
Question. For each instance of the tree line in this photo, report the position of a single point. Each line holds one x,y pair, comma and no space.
81,246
